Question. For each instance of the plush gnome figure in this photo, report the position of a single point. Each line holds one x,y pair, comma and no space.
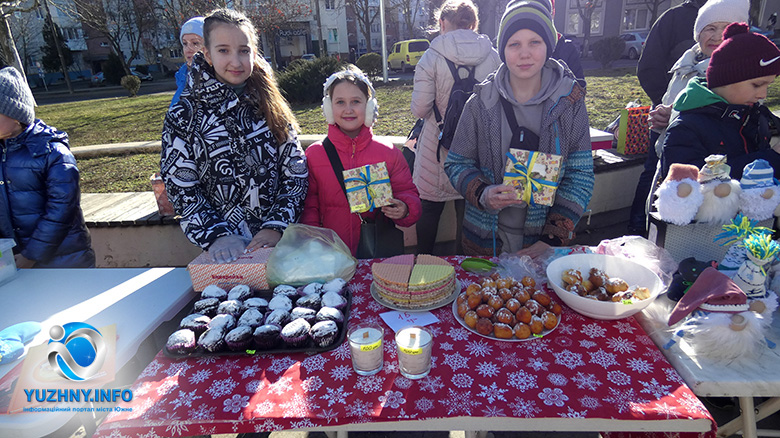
760,194
720,324
679,196
721,193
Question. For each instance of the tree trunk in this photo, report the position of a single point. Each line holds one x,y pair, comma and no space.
8,47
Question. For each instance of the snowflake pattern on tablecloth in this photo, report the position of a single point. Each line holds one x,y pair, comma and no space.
524,408
185,399
487,369
521,380
619,378
585,368
236,403
557,379
569,359
492,392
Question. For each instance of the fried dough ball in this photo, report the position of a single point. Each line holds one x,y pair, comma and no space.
571,276
597,277
600,294
534,306
462,298
522,331
556,308
523,315
577,289
484,326
512,304
505,316
522,295
587,285
625,295
495,302
542,298
549,320
485,311
502,331
463,308
488,291
537,325
474,300
505,293
488,282
642,293
503,283
470,318
473,288
495,276
615,285
528,281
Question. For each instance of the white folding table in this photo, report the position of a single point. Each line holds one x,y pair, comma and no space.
743,379
136,300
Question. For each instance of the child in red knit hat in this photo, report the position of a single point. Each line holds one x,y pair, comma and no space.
722,113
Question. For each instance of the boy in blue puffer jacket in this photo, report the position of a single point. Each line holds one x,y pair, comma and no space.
723,114
39,185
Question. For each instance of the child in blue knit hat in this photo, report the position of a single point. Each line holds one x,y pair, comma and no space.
39,185
191,37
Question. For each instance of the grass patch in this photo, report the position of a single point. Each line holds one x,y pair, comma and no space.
140,118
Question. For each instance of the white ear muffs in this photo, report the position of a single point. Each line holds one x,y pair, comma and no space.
372,106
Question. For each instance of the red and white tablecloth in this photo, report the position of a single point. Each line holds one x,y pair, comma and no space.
585,368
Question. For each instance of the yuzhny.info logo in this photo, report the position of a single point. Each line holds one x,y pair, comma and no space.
76,350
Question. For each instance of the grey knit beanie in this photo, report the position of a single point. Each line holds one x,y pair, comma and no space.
525,14
16,99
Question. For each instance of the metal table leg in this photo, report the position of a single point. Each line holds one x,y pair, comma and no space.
762,411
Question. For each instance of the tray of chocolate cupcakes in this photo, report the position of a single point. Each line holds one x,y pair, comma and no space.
287,319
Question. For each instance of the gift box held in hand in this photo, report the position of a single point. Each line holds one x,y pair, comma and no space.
533,174
368,187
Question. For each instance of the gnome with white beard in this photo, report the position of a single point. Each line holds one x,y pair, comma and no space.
679,196
760,193
721,193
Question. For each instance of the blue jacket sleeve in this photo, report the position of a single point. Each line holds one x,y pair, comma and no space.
62,202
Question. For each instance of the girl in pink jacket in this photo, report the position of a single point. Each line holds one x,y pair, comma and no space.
350,109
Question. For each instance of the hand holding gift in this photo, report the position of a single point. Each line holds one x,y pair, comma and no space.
368,187
534,175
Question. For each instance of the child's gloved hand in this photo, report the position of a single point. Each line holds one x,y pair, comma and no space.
227,248
13,338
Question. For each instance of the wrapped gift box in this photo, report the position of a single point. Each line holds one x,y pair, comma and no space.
534,174
368,187
248,269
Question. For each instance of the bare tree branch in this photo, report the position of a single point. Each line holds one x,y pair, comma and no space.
271,16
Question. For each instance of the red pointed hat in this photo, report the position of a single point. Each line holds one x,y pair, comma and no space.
712,291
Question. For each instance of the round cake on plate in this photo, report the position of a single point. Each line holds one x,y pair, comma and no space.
413,282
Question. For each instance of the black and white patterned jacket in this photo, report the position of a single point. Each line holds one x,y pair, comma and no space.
224,171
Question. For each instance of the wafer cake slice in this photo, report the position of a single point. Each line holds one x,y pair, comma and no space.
403,259
426,259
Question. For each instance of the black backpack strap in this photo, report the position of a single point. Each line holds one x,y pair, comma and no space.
522,138
335,161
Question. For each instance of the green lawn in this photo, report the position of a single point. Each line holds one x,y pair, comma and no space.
140,119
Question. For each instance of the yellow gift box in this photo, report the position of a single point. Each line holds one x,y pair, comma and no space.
368,187
533,174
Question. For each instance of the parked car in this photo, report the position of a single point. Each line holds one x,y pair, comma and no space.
635,42
308,57
97,78
405,54
141,76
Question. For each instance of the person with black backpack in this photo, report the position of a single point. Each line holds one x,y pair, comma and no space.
531,103
444,79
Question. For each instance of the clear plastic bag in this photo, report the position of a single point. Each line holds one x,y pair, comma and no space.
308,254
642,251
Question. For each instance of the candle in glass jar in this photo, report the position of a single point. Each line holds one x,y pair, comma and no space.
415,345
365,346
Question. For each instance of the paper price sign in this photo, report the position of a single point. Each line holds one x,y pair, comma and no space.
411,351
371,347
